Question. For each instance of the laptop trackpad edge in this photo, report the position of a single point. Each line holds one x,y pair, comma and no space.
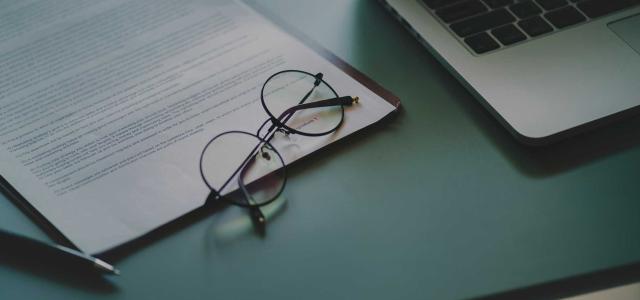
627,30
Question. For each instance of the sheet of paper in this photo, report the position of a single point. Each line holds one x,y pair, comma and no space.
106,105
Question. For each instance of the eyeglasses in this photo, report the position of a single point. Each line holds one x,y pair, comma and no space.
248,168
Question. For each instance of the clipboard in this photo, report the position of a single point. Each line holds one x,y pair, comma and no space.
54,233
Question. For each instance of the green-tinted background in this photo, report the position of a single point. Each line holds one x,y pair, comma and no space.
438,202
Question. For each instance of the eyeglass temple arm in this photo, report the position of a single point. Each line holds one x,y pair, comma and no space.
344,101
256,214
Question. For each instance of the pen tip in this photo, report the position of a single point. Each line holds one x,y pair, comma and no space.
105,267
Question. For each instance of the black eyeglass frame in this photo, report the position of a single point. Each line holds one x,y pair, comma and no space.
278,124
262,142
275,122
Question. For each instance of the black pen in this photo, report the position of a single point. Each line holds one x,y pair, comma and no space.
59,254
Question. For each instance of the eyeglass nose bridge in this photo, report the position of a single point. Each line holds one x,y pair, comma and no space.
269,125
284,131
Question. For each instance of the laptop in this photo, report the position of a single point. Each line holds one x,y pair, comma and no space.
546,69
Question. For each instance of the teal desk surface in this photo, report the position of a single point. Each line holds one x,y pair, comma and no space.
439,202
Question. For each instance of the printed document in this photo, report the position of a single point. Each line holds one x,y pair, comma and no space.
106,105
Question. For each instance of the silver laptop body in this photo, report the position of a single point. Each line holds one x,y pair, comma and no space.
545,88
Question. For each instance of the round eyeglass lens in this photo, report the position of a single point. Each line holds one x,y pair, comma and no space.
286,89
243,169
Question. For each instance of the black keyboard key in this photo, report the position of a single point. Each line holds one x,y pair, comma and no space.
482,22
535,26
498,3
481,43
565,16
525,9
552,4
598,8
435,4
508,34
461,10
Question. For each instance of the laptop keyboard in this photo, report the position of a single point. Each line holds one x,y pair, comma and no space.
487,25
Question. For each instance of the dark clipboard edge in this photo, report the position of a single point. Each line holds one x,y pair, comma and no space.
57,236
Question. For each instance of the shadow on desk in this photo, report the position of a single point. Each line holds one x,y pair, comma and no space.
575,151
575,285
61,274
